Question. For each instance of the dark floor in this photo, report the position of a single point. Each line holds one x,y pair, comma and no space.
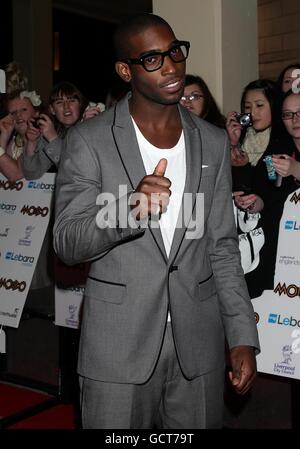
17,402
273,403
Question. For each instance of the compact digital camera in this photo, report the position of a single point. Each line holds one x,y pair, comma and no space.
35,122
244,119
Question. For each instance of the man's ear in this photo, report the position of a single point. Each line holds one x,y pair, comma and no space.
123,71
51,109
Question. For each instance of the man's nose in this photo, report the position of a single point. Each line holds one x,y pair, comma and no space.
168,65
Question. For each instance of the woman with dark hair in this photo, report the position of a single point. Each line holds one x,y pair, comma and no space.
199,100
287,164
288,76
67,106
249,148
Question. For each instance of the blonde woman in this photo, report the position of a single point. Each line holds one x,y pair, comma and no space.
22,107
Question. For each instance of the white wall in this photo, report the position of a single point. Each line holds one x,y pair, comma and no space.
223,36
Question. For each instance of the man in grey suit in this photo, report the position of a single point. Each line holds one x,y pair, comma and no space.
144,193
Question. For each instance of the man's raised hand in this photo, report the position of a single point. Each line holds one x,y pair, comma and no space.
155,190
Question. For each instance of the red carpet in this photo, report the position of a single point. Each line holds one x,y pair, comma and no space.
15,399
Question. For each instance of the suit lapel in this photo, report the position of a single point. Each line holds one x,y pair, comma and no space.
127,146
193,149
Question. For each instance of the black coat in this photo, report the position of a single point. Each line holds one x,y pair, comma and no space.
256,179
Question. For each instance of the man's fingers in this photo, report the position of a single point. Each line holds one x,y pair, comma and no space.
159,201
161,167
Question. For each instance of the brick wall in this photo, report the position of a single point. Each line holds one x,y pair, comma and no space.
278,35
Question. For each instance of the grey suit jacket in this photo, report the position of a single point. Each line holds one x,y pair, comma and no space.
132,283
45,155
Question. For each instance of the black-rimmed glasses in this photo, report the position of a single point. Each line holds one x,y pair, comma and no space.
154,60
289,115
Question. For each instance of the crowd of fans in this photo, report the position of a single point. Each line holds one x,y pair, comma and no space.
32,135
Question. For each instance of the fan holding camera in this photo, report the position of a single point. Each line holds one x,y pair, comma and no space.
67,106
253,135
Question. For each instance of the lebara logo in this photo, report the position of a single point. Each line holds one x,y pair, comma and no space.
272,318
275,318
25,260
291,225
26,240
6,185
8,208
40,186
284,367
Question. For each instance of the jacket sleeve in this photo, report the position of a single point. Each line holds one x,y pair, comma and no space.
87,223
45,155
236,309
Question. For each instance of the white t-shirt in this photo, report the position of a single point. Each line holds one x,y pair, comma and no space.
175,172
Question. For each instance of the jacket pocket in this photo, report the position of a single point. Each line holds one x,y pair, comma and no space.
105,290
207,288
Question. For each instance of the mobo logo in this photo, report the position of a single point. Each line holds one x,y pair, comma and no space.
6,185
9,284
291,290
33,210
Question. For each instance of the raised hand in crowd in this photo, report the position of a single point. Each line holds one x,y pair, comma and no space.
31,136
286,165
234,129
92,110
238,158
7,125
46,127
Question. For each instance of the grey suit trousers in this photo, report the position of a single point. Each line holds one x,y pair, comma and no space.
167,400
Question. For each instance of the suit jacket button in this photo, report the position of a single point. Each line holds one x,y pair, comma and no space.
173,268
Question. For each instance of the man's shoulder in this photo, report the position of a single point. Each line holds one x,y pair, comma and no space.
207,130
210,130
97,123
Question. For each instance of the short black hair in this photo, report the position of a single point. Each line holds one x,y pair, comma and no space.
269,88
133,25
273,94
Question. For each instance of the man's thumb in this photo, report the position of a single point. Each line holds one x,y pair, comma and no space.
161,167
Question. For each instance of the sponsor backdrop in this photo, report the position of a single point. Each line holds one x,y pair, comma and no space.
278,311
24,216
